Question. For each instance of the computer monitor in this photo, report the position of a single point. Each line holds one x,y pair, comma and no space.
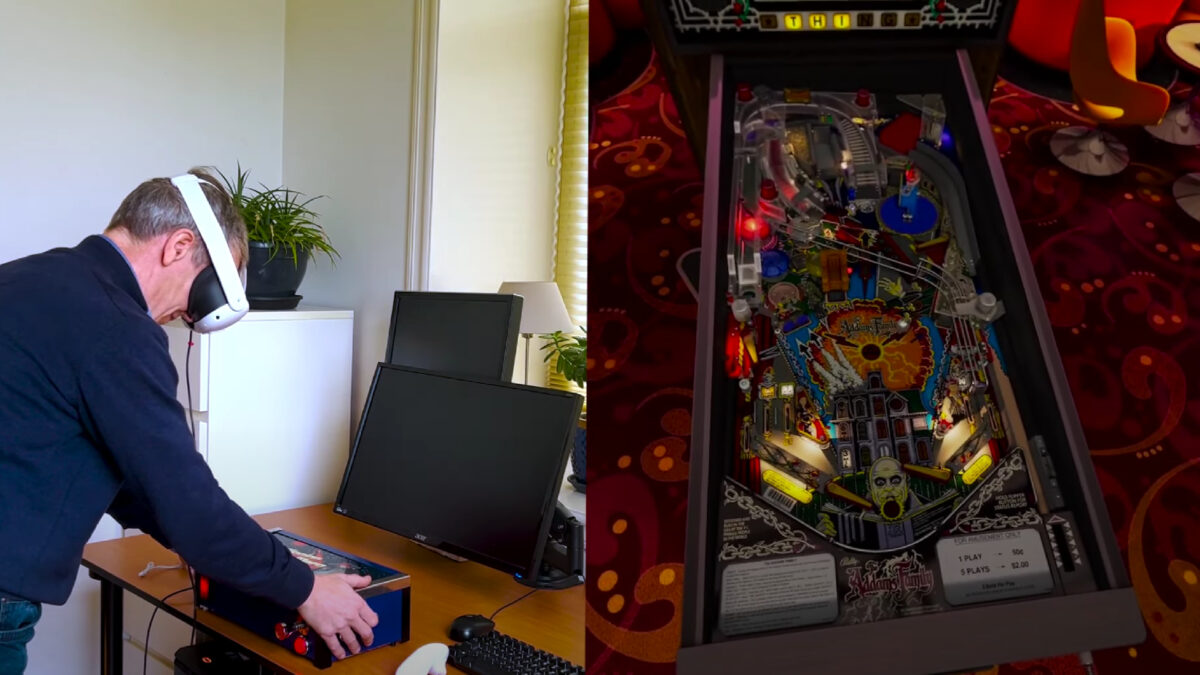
472,334
469,466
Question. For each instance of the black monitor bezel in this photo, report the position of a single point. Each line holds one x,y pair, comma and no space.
511,330
549,502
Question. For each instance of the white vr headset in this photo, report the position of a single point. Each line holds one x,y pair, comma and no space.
218,296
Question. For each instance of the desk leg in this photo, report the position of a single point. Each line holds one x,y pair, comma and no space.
111,627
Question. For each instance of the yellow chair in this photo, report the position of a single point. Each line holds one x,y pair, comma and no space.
1104,80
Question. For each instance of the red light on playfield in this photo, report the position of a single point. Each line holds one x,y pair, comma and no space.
749,227
752,228
203,588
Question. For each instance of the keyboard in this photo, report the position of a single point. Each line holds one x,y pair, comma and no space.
498,654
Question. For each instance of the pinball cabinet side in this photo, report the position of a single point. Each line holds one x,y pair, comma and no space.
1090,608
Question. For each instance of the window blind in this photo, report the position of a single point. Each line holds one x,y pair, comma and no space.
570,236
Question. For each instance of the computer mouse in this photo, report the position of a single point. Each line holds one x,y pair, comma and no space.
429,659
470,626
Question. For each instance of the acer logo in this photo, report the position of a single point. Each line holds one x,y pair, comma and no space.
419,537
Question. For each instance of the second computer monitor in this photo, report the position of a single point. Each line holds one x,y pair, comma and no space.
469,334
469,466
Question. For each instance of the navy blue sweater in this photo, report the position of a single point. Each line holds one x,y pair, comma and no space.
89,424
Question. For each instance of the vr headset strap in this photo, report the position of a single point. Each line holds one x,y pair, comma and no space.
214,240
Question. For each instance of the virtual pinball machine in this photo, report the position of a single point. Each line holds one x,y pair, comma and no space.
888,472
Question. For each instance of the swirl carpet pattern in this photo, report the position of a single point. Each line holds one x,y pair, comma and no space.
1116,260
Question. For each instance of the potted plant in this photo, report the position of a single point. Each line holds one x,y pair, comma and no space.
283,234
571,363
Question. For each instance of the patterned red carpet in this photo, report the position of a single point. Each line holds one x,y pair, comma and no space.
1117,261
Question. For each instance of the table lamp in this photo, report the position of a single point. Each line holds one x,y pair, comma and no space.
543,311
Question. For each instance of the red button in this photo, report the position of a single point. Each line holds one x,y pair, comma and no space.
281,631
300,646
768,189
863,99
743,93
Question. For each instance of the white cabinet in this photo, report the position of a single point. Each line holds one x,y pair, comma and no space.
270,399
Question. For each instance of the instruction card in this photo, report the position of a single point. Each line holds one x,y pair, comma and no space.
774,594
994,566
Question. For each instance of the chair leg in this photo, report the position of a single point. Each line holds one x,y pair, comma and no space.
1089,151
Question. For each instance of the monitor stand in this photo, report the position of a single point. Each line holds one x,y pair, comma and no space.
563,556
555,580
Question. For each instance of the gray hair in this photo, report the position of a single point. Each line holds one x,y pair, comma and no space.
156,207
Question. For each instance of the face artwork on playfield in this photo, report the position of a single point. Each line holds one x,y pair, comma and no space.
889,487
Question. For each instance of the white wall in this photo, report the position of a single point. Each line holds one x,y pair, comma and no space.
347,96
95,97
499,93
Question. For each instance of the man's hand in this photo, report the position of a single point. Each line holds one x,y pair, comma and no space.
334,609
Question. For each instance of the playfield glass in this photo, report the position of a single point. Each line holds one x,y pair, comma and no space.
324,561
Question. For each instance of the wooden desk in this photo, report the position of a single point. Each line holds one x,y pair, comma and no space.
441,590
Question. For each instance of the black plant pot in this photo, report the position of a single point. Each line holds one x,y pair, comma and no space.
273,275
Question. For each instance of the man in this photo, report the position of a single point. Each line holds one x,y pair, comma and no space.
89,424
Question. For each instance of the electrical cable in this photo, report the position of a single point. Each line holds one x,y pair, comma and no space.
150,624
504,607
187,383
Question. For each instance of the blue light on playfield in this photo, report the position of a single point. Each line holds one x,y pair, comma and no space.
947,142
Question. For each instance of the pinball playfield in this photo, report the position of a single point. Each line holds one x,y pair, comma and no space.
874,403
327,561
884,448
874,395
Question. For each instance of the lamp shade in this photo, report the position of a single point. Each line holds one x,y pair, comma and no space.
543,309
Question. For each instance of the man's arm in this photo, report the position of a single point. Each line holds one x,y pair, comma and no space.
127,389
131,512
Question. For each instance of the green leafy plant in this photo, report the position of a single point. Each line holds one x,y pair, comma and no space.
279,217
571,351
